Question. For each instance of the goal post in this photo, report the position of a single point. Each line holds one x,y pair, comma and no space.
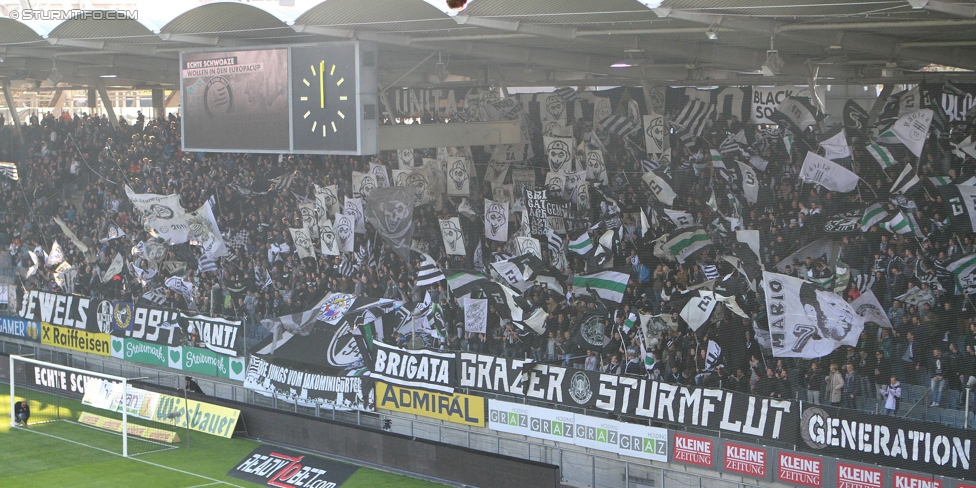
65,378
96,408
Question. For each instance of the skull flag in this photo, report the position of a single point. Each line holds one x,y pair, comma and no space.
496,220
390,211
453,239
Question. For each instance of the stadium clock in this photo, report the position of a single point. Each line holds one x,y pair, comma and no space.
324,98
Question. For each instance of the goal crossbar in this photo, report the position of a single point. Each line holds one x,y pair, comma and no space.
120,379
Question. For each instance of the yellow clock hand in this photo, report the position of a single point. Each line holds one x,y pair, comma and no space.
321,84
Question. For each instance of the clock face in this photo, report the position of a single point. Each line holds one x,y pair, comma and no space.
324,104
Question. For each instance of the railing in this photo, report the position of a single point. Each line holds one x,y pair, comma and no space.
578,466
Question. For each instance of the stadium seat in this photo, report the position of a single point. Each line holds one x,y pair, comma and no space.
952,417
933,416
919,392
950,398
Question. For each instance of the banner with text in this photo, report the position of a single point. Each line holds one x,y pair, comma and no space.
451,407
608,435
887,441
20,328
308,389
283,468
722,410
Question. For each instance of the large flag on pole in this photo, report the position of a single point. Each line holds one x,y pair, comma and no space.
428,273
805,321
882,155
902,223
835,144
390,211
828,174
686,243
582,244
964,272
872,215
55,257
912,130
609,285
904,182
660,188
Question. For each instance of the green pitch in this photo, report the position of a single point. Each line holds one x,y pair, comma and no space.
33,456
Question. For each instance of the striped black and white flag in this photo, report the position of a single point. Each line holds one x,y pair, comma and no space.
710,271
864,281
206,264
691,120
9,170
619,125
428,273
567,94
735,143
283,182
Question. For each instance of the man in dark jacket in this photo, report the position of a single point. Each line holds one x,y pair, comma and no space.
22,412
879,370
852,387
766,386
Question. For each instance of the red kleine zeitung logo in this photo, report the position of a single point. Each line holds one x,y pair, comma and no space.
850,476
800,470
903,480
745,460
693,450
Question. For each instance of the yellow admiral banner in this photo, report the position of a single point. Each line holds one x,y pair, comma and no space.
76,340
456,408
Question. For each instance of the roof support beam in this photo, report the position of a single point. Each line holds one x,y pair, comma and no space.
854,41
107,103
190,39
11,106
520,27
958,9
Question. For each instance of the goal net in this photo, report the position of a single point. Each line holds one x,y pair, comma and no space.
96,410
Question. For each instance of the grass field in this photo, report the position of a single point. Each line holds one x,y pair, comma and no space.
33,456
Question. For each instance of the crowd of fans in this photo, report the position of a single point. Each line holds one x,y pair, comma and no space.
932,345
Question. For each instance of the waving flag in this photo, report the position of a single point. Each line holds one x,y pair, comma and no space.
582,244
882,155
913,129
828,174
685,244
805,321
609,285
872,215
428,273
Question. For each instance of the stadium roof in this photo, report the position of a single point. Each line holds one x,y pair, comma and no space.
517,43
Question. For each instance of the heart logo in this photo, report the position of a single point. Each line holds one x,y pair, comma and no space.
174,356
237,366
117,345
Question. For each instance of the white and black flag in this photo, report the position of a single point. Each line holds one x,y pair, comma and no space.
806,321
390,211
559,151
496,220
452,235
9,170
475,314
427,272
303,243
